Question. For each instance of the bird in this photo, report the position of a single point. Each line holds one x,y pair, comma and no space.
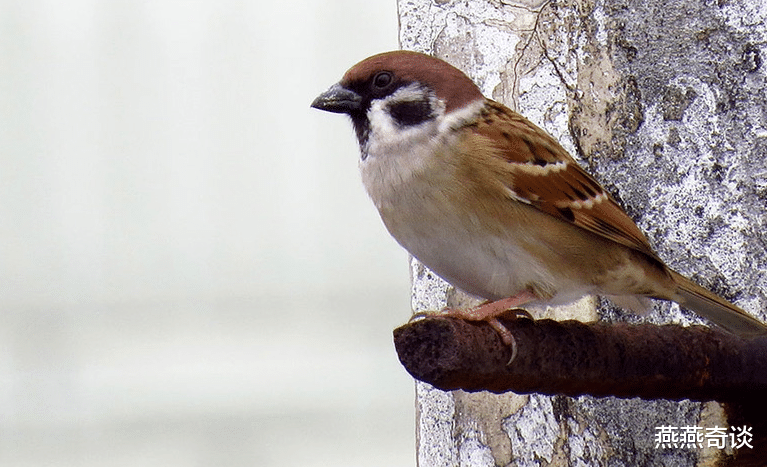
495,205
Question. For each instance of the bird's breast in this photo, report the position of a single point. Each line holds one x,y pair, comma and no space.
425,209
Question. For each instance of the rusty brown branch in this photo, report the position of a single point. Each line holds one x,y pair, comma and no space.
574,358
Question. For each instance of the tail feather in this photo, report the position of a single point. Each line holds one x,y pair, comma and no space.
717,309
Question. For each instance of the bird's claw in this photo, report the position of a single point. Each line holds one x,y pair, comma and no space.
506,336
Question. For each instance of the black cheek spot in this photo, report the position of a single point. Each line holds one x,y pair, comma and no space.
567,213
410,113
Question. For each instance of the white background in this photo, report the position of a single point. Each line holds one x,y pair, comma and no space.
190,271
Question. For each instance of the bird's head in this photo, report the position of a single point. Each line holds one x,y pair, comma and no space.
399,90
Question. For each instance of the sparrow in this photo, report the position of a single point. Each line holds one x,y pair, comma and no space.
495,205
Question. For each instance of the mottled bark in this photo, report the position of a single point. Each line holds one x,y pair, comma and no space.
664,102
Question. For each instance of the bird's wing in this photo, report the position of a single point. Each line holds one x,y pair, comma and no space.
537,170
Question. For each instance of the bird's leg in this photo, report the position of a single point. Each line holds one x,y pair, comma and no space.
490,312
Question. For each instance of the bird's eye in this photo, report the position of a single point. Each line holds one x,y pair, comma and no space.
382,79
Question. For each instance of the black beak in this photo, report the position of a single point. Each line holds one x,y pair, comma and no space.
338,99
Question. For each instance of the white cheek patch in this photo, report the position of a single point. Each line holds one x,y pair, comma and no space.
394,154
389,137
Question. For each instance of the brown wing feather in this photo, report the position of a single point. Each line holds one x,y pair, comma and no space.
541,171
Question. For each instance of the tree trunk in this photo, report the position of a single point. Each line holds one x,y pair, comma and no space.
664,103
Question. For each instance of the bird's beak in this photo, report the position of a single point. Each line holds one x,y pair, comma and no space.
338,99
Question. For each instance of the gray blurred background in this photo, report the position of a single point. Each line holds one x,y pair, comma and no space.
190,271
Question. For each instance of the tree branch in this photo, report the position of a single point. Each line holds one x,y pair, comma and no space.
574,358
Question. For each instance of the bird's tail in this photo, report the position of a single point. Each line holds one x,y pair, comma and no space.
717,309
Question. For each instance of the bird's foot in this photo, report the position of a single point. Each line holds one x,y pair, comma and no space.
490,312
